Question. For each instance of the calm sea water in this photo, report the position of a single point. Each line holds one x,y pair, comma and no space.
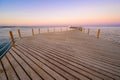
109,33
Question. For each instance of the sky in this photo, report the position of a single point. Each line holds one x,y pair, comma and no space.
59,12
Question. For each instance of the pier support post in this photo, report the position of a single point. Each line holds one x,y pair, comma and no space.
39,31
33,32
19,33
82,29
98,34
12,39
88,31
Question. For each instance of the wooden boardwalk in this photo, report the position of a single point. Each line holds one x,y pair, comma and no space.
69,55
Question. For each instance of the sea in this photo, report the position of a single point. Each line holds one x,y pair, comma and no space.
108,33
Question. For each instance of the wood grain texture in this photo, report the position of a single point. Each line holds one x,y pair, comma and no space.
66,55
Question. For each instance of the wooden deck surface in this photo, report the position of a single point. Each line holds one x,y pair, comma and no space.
69,55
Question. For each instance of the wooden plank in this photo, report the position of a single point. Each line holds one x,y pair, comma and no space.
2,73
63,67
41,72
55,68
75,60
79,51
77,65
46,53
9,70
42,65
96,62
113,68
87,64
21,73
27,68
70,55
82,51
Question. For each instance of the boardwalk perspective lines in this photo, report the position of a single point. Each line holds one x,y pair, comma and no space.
64,55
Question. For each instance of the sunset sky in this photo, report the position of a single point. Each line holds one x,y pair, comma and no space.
59,12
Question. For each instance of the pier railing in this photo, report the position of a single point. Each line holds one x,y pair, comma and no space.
88,31
54,30
7,43
5,46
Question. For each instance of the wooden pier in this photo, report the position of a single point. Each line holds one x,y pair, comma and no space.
67,55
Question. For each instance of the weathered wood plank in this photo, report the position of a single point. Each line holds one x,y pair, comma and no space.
69,55
9,70
112,76
68,65
2,73
92,60
68,60
42,65
106,59
55,68
21,73
41,72
27,68
64,67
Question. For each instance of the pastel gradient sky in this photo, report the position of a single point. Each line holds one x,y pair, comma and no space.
59,12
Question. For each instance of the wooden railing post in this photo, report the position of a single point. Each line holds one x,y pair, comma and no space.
32,32
98,34
88,31
39,31
19,33
12,39
80,29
